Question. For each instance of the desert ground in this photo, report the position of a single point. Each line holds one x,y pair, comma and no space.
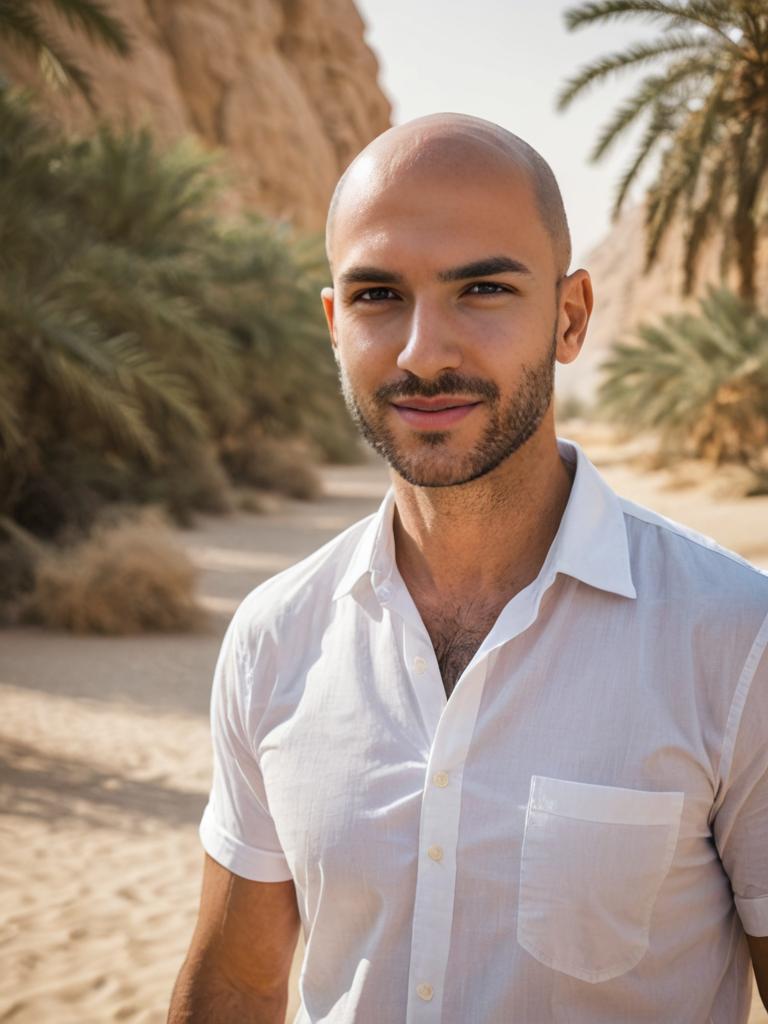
106,757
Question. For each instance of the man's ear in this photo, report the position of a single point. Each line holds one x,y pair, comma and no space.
575,301
326,296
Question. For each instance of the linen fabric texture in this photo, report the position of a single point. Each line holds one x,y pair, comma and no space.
578,834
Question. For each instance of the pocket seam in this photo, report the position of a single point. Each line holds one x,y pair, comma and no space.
584,973
672,822
546,792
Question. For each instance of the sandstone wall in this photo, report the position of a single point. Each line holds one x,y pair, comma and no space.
287,88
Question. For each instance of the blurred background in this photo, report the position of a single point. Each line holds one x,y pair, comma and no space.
171,432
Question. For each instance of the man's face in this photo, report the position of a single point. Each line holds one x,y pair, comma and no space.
444,317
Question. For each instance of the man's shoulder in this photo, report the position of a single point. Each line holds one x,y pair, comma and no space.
690,560
304,588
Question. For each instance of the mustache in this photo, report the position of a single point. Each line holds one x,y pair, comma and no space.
447,384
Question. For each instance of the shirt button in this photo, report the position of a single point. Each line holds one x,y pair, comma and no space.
425,991
435,853
419,666
440,779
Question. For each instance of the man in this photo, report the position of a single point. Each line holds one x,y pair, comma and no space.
501,747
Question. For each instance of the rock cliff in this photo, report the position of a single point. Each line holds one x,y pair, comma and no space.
286,88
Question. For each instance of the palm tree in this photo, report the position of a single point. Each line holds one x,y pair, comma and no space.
23,24
140,340
700,381
705,112
104,349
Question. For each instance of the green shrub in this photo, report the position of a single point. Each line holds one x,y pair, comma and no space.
701,382
138,333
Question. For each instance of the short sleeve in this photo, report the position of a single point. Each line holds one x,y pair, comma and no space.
237,829
740,825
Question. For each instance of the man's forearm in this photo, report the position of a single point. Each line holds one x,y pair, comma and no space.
208,998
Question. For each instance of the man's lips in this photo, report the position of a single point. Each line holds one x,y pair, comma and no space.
434,413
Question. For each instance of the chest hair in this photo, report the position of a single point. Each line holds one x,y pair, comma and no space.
456,634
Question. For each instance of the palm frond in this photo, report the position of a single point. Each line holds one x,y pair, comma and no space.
21,26
24,28
678,177
701,380
139,196
705,13
97,22
11,413
640,53
703,111
108,404
658,127
652,89
702,220
153,384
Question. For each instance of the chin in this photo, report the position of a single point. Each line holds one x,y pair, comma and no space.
445,471
435,465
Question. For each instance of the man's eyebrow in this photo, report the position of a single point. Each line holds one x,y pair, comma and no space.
484,268
477,268
366,275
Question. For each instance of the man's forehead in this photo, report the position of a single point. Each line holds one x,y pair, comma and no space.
433,214
444,138
442,153
435,158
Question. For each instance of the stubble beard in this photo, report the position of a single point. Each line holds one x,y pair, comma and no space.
507,430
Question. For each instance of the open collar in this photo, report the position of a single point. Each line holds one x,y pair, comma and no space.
591,543
374,556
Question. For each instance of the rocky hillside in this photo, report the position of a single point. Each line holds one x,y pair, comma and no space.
287,88
626,296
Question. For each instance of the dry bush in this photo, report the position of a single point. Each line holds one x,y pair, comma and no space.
250,499
266,463
128,578
19,554
196,483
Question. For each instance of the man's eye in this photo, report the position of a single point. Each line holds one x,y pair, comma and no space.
487,288
375,295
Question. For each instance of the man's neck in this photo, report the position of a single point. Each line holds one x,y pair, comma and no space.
488,537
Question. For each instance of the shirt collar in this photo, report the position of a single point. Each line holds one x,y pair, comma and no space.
374,556
591,542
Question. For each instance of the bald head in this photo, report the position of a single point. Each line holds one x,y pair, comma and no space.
455,144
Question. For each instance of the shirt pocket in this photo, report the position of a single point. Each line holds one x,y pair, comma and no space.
592,863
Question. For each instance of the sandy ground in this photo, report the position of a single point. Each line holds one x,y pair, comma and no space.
105,759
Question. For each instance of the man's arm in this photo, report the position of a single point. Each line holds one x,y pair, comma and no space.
758,948
237,967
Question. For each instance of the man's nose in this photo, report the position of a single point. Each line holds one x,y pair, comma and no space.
431,345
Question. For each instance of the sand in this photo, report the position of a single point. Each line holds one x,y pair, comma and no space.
106,760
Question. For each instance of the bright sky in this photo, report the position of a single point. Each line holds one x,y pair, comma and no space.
506,60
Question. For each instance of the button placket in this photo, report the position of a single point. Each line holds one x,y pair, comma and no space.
438,841
427,685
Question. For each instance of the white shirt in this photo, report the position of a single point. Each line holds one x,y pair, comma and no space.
579,834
